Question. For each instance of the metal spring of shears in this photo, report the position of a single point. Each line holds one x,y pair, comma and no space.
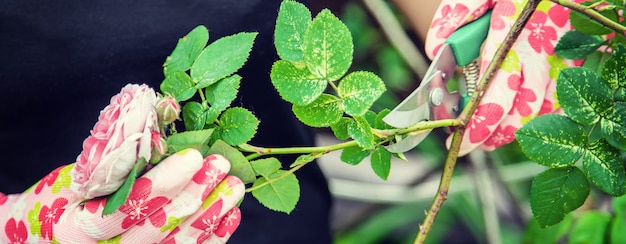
471,71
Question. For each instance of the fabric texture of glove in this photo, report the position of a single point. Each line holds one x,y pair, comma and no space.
183,199
524,87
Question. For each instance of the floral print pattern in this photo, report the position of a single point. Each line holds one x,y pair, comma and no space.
138,206
16,231
527,75
451,18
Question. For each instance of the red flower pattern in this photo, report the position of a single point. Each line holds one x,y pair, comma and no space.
16,231
487,114
93,205
501,136
502,9
541,36
523,96
209,175
138,206
229,223
546,107
3,198
48,179
208,221
451,19
48,216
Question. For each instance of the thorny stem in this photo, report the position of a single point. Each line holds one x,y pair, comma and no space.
593,14
419,126
260,151
471,107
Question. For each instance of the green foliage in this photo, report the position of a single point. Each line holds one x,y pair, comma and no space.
221,95
614,70
354,155
577,45
195,115
590,228
236,126
552,146
276,189
196,139
239,165
593,132
186,51
295,83
360,130
588,26
359,91
381,162
322,112
556,192
583,95
221,58
291,23
327,47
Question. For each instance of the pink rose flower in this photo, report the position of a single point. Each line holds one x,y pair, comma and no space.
122,135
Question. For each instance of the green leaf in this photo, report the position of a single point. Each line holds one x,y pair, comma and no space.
586,25
281,195
221,95
328,46
577,45
340,128
291,23
360,130
590,228
381,162
194,115
379,123
237,125
552,140
295,83
359,90
197,139
556,192
618,228
613,126
305,158
222,58
179,85
595,61
265,167
614,70
603,165
322,112
118,198
239,165
550,234
186,51
583,95
354,155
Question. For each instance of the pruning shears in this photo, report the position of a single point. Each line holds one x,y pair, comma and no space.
432,100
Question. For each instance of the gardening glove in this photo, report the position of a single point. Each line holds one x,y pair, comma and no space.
524,87
183,199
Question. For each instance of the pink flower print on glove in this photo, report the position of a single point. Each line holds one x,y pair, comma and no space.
525,84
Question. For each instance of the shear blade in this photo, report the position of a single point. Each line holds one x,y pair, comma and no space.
407,143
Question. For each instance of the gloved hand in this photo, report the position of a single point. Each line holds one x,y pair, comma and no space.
183,199
525,86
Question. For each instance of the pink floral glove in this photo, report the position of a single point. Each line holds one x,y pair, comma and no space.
524,87
184,199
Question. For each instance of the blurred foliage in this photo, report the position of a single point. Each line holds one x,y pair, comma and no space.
374,53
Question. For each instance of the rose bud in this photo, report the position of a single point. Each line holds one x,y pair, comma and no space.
167,109
159,148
